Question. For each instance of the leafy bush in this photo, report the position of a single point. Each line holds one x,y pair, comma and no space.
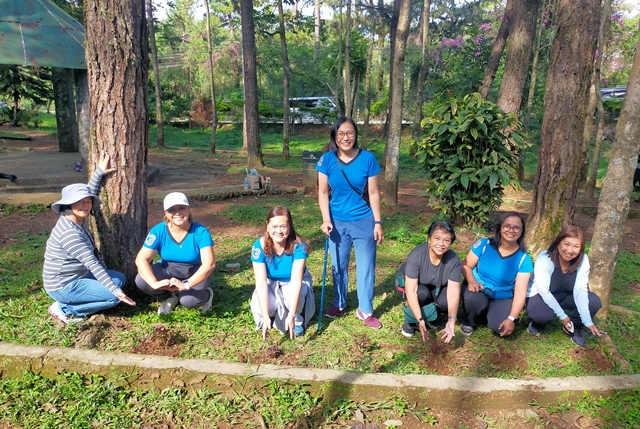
469,150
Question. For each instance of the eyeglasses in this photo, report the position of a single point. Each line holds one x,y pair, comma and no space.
514,228
351,134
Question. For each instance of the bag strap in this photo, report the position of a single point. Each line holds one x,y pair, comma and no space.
440,275
347,179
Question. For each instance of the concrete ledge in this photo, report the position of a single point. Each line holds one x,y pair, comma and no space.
144,371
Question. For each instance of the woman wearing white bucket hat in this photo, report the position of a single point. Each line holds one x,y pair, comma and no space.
74,273
183,275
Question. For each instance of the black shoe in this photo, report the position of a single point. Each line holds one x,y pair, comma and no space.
533,329
408,330
576,337
466,330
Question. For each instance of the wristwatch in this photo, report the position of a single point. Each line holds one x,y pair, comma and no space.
186,284
378,222
510,317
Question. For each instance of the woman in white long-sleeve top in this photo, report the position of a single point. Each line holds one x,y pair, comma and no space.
560,287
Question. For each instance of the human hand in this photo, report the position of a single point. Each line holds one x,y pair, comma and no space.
266,325
105,162
326,227
290,325
178,284
160,284
124,298
378,235
568,325
423,330
595,331
506,327
475,287
448,331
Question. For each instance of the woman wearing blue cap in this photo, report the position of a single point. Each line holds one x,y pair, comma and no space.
74,273
183,275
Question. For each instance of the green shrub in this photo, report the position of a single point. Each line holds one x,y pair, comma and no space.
469,150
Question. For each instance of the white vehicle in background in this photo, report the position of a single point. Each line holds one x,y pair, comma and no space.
312,110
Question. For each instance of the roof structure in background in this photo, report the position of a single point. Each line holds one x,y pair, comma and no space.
39,33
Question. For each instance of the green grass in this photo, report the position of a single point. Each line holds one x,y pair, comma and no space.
345,343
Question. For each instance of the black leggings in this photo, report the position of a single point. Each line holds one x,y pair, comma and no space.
477,305
541,314
425,296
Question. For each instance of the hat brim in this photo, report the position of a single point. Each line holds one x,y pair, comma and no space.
58,204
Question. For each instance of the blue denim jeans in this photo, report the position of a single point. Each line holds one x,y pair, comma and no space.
87,295
358,234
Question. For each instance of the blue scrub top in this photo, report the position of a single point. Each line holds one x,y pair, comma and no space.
346,205
279,267
187,251
496,269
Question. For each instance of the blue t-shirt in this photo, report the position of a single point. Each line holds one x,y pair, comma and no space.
346,205
497,270
187,251
278,267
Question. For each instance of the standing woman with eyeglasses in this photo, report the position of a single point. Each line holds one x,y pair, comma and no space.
496,273
350,204
284,295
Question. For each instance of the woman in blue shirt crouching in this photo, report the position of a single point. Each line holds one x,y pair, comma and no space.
283,296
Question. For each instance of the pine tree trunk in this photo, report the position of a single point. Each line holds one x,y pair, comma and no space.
117,66
602,44
63,83
532,82
422,76
616,189
496,50
285,82
252,133
316,50
156,76
367,92
348,106
390,195
565,101
518,58
212,84
82,107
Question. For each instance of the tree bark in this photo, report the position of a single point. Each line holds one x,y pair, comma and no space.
518,58
616,189
348,106
285,82
252,133
82,107
588,131
602,45
118,72
316,50
565,101
63,83
212,84
395,116
367,92
496,50
156,76
422,76
532,83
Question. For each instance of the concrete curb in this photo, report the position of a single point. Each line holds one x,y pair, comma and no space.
144,371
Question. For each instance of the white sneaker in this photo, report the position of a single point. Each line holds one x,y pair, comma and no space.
56,312
207,305
168,305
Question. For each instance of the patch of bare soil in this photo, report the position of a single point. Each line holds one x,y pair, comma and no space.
590,358
163,341
39,140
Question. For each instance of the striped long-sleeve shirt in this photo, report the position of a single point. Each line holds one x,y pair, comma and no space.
69,255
